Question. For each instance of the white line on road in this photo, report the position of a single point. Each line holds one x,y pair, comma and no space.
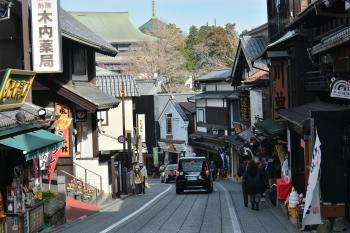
136,212
233,214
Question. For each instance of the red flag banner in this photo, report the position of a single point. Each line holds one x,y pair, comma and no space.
52,165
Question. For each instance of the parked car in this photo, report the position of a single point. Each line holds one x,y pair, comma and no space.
168,174
193,173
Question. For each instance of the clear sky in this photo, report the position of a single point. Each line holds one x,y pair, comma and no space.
246,14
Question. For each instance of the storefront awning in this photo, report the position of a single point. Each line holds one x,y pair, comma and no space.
34,144
271,127
300,114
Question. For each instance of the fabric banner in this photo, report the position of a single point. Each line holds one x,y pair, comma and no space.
155,157
312,212
52,165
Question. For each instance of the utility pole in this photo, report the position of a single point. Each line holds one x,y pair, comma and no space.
154,9
123,114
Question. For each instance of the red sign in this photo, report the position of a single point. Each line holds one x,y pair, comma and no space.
63,128
53,164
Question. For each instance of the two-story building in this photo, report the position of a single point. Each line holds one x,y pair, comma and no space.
214,119
65,84
174,126
308,53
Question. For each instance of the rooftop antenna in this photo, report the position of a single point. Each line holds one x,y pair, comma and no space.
154,9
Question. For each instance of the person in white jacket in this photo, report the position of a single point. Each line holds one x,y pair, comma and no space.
145,177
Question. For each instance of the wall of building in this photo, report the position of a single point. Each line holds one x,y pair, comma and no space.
180,126
92,179
108,138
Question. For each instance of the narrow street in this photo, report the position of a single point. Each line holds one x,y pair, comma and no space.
162,211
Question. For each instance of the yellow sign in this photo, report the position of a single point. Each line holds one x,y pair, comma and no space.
14,87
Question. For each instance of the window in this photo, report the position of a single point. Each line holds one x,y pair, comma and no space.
123,47
79,61
169,123
200,115
103,118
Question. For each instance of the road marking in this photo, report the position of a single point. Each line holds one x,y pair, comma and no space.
236,226
136,212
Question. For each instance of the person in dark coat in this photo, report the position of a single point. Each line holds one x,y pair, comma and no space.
241,170
254,184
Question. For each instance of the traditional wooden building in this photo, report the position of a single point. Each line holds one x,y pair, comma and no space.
213,124
309,74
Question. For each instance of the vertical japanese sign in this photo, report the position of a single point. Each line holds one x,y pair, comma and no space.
46,36
63,128
141,126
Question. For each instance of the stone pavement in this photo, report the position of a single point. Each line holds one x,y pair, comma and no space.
267,220
192,212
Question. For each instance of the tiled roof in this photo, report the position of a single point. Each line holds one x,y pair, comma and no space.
92,94
189,107
215,95
8,118
111,83
148,86
218,75
153,25
115,27
253,46
74,30
179,110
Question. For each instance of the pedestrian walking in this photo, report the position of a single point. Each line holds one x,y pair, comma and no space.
241,170
213,170
137,178
254,184
145,177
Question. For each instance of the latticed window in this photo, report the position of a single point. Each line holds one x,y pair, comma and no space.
169,123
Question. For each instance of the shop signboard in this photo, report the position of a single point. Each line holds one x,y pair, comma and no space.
340,89
141,126
46,36
63,128
14,87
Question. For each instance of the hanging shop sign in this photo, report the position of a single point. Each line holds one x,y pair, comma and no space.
81,116
141,126
340,89
280,91
46,36
63,128
245,108
14,87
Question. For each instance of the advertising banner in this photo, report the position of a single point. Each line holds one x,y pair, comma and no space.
312,211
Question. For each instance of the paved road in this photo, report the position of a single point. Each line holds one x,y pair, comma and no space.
162,211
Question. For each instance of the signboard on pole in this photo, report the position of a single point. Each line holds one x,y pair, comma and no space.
312,210
63,128
46,36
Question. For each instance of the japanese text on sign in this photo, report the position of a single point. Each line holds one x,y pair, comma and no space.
47,54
